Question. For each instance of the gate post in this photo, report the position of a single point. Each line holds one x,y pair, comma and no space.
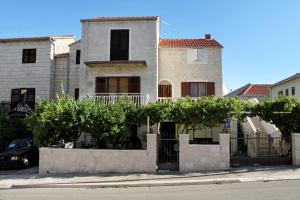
296,148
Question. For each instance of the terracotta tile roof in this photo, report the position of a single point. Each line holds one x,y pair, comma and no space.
127,18
257,89
42,38
297,75
251,90
189,43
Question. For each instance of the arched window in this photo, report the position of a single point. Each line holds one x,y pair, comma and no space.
165,89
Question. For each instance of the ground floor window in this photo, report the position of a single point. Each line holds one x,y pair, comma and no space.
117,85
22,96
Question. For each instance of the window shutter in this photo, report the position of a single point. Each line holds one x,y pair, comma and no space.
210,89
119,44
31,98
134,85
76,93
15,94
185,89
101,85
78,57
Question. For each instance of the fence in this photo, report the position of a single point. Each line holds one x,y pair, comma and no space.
99,160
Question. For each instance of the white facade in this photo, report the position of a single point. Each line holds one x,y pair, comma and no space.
177,65
39,75
154,64
286,86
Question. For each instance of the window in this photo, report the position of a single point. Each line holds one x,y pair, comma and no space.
76,93
286,92
77,57
197,89
280,93
119,44
293,91
117,85
22,96
29,56
201,54
164,90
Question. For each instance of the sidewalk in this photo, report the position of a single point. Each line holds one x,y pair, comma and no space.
235,175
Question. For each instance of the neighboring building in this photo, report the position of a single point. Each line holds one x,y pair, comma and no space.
287,87
30,68
250,91
115,55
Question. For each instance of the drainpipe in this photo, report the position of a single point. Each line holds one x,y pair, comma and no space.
68,71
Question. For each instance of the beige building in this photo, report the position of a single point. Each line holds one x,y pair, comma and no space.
116,55
287,87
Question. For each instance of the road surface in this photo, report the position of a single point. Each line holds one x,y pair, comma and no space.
286,190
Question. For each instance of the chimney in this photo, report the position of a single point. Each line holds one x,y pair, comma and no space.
207,36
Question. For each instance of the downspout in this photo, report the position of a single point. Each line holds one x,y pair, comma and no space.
54,70
68,71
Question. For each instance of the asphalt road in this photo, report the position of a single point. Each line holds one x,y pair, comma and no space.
286,190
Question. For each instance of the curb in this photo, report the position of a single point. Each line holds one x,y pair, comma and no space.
126,184
143,183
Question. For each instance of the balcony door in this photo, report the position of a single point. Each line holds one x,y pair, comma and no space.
118,85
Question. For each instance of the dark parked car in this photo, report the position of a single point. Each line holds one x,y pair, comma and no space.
20,153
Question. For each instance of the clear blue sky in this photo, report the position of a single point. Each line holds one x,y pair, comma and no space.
261,38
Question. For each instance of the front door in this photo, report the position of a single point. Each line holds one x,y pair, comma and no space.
168,147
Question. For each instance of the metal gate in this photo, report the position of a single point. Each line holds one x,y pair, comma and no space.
168,147
260,149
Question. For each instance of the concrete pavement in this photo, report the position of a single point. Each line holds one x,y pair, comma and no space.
237,175
287,190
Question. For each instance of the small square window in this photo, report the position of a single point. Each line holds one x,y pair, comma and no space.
200,54
29,56
280,93
293,91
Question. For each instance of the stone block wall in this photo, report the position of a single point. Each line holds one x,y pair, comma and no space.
199,157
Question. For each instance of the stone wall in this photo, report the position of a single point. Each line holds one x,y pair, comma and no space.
198,157
143,45
98,160
296,148
178,65
15,74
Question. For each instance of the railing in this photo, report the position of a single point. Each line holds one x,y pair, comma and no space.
110,98
174,98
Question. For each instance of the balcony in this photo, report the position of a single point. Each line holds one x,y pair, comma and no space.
110,98
117,63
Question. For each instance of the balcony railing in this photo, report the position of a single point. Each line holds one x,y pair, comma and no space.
173,98
110,98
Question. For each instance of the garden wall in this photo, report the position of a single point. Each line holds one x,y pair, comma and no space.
99,160
198,157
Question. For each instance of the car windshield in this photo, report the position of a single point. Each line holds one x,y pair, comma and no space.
20,143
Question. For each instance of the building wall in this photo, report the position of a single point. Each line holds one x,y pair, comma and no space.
143,45
14,74
178,65
74,69
61,74
99,160
287,85
62,44
199,157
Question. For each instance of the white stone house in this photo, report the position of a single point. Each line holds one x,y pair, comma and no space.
32,68
115,55
287,87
